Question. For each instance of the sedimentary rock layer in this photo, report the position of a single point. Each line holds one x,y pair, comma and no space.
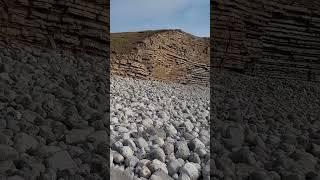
77,25
277,38
162,55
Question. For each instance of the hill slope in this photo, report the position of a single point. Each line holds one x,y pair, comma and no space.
171,55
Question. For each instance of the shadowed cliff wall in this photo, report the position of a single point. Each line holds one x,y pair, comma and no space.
76,25
267,37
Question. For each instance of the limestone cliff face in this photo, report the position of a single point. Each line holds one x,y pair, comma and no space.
77,25
165,55
278,38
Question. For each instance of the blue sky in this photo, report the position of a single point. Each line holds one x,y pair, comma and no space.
192,16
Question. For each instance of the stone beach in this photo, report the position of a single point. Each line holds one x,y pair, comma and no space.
159,130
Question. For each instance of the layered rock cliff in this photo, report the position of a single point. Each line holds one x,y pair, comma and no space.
51,96
277,38
77,25
162,55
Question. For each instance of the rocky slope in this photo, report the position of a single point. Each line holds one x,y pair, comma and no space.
54,91
264,128
54,115
278,38
163,55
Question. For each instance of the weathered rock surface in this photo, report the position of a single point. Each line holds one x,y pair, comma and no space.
80,26
277,38
170,55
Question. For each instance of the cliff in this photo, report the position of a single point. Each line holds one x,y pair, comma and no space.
277,38
76,25
171,55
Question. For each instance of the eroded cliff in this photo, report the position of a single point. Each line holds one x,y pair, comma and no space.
171,55
77,25
277,38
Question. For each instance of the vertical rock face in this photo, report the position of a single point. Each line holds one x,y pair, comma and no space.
77,25
269,38
162,55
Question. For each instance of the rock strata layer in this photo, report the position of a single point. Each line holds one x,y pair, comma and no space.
77,25
170,55
277,38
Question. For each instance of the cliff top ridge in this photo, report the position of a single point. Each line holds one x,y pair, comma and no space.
125,42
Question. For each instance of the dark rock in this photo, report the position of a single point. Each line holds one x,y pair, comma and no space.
78,135
25,142
7,153
61,161
259,175
244,155
234,137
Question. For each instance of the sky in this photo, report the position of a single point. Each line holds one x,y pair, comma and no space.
192,16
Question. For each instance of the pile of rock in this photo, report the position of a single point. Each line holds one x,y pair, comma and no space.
264,129
54,119
159,130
